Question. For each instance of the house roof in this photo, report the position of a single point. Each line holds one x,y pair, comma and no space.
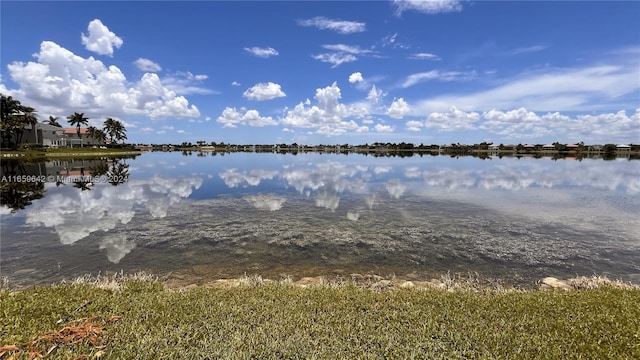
48,127
74,131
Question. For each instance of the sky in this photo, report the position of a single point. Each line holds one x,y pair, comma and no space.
264,72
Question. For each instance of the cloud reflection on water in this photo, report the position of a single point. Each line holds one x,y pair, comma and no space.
75,215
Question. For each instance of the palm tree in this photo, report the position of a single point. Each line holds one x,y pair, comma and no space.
115,129
28,117
96,134
118,173
9,108
53,121
78,119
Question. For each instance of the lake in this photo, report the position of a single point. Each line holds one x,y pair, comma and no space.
204,216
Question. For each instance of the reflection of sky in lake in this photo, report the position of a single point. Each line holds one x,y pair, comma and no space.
590,195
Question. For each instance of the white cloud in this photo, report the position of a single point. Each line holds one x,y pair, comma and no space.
335,58
342,54
61,82
389,40
262,52
340,26
235,83
356,77
186,83
100,39
180,131
264,91
349,49
327,117
147,65
414,125
384,128
146,130
398,109
454,120
519,123
231,117
424,56
427,6
600,87
375,95
437,75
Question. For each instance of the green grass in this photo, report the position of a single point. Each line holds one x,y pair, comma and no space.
285,321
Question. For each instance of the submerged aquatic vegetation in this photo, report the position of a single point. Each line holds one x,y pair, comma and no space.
257,318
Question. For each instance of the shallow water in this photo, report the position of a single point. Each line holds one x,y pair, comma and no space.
201,217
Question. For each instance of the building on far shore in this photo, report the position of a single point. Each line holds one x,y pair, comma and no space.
55,137
623,148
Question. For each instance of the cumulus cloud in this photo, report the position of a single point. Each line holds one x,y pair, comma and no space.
519,123
147,65
356,77
231,118
427,7
262,52
100,39
437,75
264,91
327,117
383,128
453,120
339,26
235,83
62,82
414,125
398,109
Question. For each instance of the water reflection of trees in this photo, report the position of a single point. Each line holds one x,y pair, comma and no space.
118,173
18,195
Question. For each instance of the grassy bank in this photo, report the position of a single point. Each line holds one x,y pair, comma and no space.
141,319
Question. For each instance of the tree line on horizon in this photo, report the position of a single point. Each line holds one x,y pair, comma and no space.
15,118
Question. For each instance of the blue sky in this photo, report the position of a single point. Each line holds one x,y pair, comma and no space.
332,72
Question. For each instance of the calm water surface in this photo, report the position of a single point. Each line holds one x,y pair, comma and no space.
202,217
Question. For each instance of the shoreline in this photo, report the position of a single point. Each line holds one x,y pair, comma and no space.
376,283
21,155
